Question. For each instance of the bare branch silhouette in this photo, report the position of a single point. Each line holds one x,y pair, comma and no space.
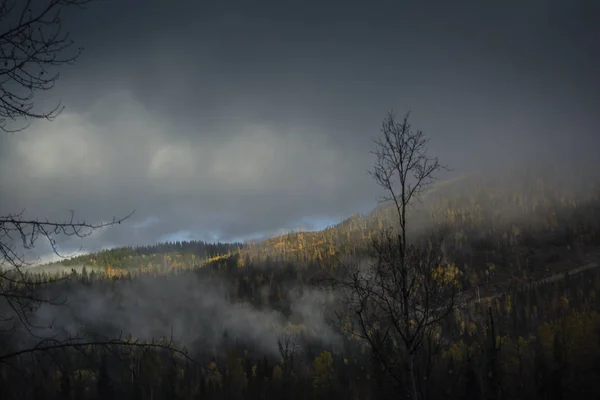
397,300
47,345
32,43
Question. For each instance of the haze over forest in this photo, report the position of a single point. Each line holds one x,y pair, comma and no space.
201,217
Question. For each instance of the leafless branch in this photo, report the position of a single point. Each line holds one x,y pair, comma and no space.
398,299
32,43
20,290
48,345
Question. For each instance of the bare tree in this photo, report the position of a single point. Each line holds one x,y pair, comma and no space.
289,351
33,44
20,290
398,300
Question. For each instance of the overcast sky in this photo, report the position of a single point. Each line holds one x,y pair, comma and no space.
225,120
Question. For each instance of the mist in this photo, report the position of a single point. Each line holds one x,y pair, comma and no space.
196,313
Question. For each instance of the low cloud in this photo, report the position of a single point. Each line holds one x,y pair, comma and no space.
117,156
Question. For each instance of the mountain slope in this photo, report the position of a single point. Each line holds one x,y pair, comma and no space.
515,224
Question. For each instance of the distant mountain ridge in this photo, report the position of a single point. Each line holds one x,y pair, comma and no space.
513,218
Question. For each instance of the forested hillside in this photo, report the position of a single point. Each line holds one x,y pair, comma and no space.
258,323
543,342
517,225
158,258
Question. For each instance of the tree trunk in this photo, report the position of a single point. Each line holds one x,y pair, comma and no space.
414,394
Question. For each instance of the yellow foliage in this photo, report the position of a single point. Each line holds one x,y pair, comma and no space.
84,375
237,375
500,340
565,301
456,351
214,376
216,258
514,355
472,329
446,274
277,373
323,369
507,304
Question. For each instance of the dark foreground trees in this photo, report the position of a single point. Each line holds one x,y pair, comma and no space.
396,301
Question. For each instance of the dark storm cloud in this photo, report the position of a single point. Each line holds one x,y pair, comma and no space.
226,119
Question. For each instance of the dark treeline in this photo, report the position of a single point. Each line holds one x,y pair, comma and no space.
538,342
126,257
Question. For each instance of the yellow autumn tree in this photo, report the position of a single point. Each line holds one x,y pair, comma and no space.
323,374
236,376
277,373
214,377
